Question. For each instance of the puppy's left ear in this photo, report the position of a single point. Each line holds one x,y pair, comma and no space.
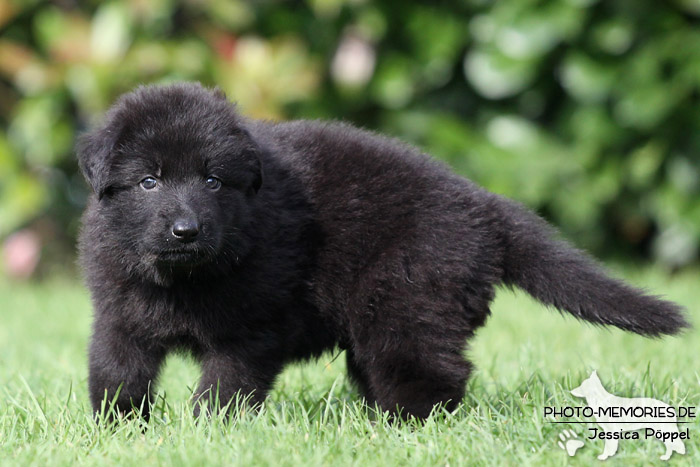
257,177
255,154
94,158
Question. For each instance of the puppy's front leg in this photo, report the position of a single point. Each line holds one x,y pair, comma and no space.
122,364
228,372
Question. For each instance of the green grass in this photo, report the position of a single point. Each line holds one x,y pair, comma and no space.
526,357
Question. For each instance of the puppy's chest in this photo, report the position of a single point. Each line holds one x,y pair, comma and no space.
198,319
188,316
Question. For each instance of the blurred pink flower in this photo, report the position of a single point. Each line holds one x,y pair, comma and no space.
353,63
21,252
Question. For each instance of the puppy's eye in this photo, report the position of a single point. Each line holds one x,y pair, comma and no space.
149,183
213,183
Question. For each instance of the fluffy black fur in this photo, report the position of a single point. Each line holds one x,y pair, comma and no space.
320,235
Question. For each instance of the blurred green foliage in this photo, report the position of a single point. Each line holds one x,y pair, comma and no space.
584,110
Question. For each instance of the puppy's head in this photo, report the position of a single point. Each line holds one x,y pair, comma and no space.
174,174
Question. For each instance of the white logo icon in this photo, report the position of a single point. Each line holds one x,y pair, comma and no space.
648,414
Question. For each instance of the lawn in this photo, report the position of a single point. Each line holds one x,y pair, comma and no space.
527,358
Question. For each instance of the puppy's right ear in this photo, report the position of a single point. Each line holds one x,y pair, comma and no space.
95,157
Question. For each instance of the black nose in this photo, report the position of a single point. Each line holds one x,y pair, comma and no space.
185,230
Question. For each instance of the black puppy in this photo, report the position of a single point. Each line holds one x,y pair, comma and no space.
252,244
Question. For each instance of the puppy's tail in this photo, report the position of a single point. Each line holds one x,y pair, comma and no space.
559,275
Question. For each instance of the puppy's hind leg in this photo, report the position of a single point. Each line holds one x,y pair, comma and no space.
409,364
412,380
409,327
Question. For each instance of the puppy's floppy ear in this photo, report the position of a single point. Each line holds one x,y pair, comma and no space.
258,180
255,166
254,155
94,158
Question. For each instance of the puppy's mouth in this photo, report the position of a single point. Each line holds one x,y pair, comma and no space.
181,257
